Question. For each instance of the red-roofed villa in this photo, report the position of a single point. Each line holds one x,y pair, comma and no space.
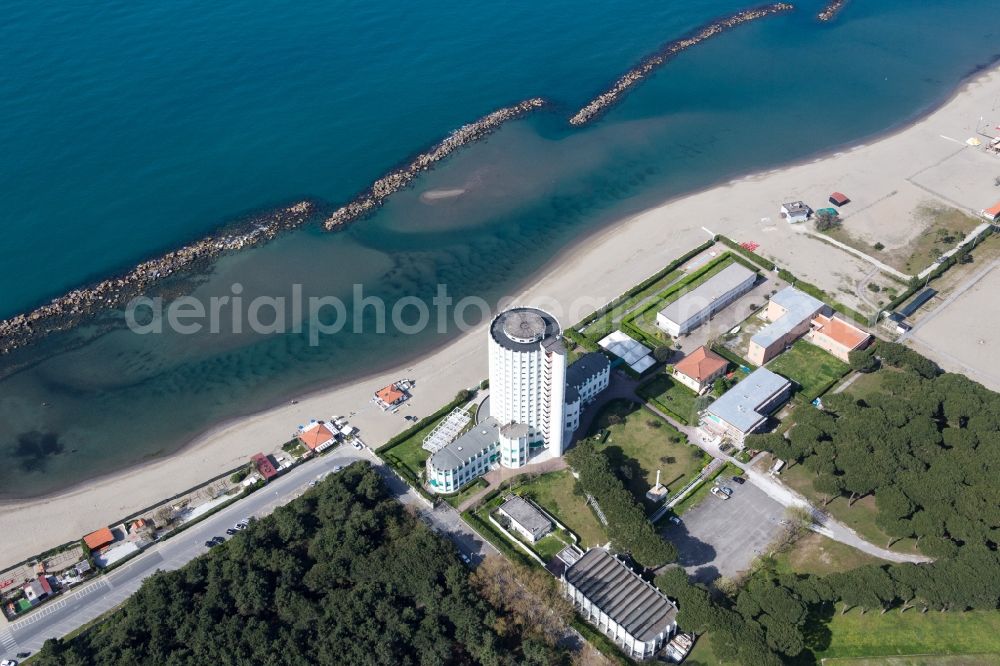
699,369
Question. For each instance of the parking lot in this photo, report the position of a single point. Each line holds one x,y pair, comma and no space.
720,538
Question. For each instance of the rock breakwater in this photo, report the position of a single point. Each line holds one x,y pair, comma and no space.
394,181
602,102
831,10
69,310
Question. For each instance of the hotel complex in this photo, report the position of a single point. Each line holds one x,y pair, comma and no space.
534,404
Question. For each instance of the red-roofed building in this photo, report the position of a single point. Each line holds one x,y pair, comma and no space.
264,466
317,437
37,589
992,214
99,539
699,369
837,336
839,199
390,396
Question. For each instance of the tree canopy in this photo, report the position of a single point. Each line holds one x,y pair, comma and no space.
341,575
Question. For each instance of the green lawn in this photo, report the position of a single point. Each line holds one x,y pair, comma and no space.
912,633
645,319
554,493
816,554
672,397
639,443
548,546
813,369
921,660
608,322
410,452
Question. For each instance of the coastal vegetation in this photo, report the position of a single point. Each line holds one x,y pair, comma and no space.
343,574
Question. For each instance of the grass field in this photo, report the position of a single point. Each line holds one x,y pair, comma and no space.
912,633
672,396
816,554
640,442
918,660
554,493
813,369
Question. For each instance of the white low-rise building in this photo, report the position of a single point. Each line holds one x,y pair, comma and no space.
525,518
700,304
630,611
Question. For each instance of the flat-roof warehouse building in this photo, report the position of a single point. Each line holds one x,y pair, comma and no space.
699,305
616,600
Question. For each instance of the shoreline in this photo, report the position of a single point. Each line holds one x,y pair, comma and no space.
604,263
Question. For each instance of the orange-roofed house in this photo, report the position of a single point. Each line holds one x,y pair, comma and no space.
99,539
317,437
992,214
837,336
699,369
390,396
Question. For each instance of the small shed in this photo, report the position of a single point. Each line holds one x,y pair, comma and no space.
839,199
991,214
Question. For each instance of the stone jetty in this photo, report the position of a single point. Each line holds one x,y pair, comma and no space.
831,10
394,181
600,104
69,310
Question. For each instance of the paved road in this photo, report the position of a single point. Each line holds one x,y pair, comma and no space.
824,524
86,603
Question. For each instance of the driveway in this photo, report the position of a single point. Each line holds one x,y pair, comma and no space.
720,538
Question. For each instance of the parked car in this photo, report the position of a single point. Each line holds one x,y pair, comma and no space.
312,484
717,491
727,490
231,531
357,445
208,544
338,468
739,479
219,539
23,655
8,662
675,520
465,558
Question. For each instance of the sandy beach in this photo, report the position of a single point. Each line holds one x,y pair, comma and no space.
885,180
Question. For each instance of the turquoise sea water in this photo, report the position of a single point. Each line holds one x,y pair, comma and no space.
130,128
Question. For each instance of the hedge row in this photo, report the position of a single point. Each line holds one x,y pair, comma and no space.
752,256
682,283
666,410
645,284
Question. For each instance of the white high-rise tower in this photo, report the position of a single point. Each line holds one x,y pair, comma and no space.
527,383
